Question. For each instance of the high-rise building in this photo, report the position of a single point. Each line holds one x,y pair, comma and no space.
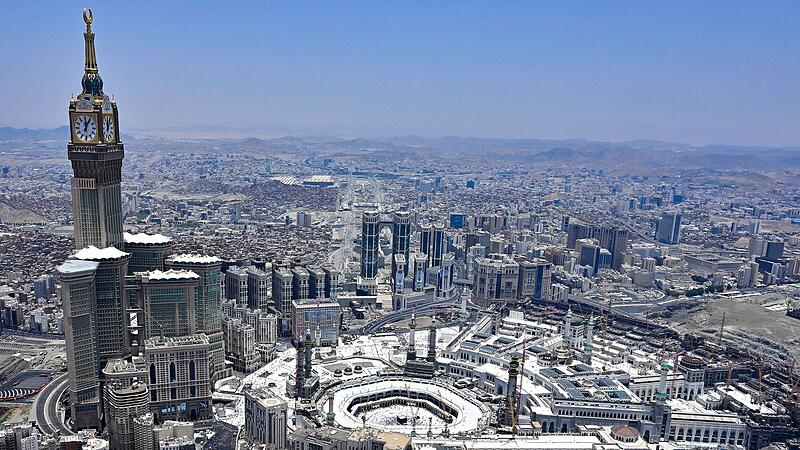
774,250
178,377
304,219
300,277
208,305
316,282
458,220
113,338
534,278
168,302
475,251
331,282
432,244
43,286
370,228
371,225
757,246
754,227
420,271
240,344
321,316
259,287
80,332
143,431
669,228
496,279
236,285
401,238
123,404
265,418
148,251
444,279
282,295
588,252
96,152
610,237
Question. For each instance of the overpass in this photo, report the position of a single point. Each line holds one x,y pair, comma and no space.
421,308
44,410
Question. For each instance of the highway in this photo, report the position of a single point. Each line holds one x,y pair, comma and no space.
421,308
44,410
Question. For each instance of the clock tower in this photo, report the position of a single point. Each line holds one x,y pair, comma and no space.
96,153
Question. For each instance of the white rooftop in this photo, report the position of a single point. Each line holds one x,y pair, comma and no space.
75,266
192,258
543,442
144,238
92,253
157,275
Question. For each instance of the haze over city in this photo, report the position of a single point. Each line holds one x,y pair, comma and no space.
690,72
400,226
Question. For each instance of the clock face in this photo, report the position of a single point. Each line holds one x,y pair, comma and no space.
108,128
85,128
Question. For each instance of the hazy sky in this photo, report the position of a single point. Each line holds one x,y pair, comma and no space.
697,72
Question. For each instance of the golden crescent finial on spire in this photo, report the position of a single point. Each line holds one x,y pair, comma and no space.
88,18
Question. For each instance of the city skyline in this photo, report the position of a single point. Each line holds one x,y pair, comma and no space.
401,293
708,73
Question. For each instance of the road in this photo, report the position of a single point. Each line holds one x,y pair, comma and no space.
422,307
44,410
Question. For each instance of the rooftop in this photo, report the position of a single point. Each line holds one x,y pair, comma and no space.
193,258
146,239
172,274
76,267
161,341
92,253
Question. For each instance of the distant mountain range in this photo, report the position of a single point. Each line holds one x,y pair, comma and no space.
38,134
636,156
34,134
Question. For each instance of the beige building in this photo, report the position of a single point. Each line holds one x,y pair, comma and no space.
178,377
495,280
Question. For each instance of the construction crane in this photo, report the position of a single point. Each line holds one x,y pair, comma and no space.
793,399
512,411
602,317
521,376
721,330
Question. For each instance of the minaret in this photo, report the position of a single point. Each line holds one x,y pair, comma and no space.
513,377
432,342
568,328
96,152
661,394
298,370
329,418
412,327
308,347
464,294
588,346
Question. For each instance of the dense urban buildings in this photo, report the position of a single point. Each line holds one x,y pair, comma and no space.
404,293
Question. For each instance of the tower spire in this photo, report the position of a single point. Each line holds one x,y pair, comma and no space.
91,82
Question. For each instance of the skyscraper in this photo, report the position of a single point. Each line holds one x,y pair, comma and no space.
370,228
111,309
265,418
96,153
669,228
178,376
208,306
80,332
148,251
123,404
431,243
401,238
168,302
